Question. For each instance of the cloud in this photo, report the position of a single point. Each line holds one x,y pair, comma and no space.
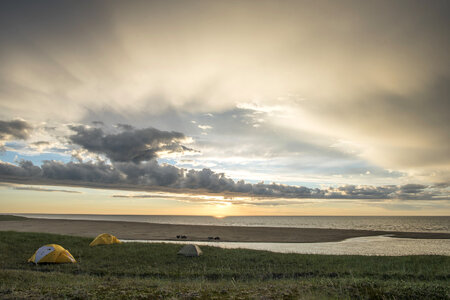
83,172
362,192
40,189
209,63
25,169
129,146
40,145
397,130
126,127
153,176
442,185
412,188
171,196
15,129
216,200
150,173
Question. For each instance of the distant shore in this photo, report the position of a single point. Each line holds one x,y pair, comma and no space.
150,231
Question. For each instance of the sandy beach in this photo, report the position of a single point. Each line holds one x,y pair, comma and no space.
149,231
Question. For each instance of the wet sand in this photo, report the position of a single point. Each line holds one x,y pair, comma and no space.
150,231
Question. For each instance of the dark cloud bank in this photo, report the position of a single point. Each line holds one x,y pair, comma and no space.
15,129
133,166
128,146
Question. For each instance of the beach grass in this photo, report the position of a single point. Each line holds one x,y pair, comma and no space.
136,270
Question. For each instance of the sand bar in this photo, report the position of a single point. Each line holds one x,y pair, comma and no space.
150,231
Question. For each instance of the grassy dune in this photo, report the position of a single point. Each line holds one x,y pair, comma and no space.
154,270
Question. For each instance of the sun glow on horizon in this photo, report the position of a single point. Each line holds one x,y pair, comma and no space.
219,217
77,200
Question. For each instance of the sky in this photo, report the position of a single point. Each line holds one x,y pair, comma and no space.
225,107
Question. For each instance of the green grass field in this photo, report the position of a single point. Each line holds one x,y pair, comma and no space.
133,270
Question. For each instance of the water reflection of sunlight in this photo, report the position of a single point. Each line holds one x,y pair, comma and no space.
372,246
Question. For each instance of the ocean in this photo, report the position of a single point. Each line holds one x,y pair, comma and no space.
397,223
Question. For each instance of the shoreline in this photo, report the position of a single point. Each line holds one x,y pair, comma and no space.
168,232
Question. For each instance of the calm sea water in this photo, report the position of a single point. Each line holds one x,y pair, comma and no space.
406,224
369,246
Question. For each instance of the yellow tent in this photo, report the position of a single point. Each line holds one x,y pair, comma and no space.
52,254
105,239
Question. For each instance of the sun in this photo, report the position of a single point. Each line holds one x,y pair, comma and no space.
221,209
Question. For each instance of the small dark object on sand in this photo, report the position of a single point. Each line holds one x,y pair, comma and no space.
217,238
184,237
